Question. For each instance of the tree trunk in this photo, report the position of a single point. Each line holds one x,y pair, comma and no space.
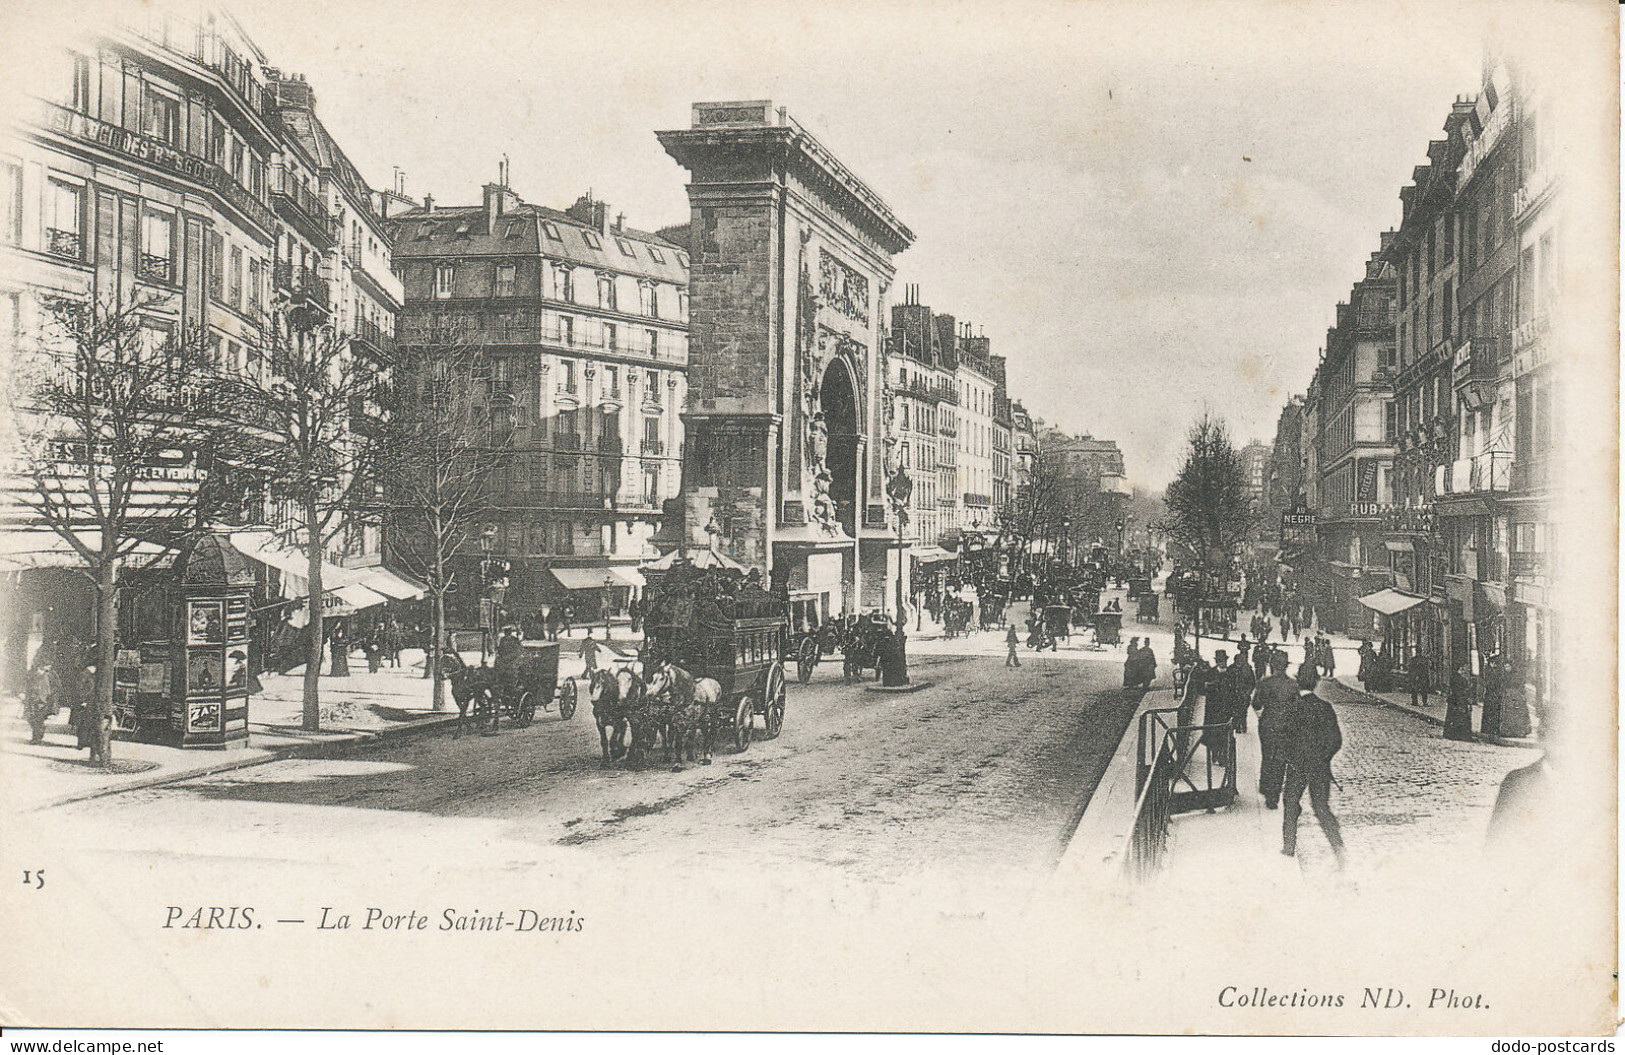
437,633
106,645
313,626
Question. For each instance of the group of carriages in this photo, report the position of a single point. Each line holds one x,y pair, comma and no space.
712,664
713,668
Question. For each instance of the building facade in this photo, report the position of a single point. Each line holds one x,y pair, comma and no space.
921,388
1468,530
158,170
1354,450
583,324
1426,259
978,378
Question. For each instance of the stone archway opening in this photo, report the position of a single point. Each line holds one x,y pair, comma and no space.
838,400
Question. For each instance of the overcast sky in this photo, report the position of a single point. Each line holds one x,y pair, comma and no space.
1147,212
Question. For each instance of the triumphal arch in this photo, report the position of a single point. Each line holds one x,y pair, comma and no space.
786,461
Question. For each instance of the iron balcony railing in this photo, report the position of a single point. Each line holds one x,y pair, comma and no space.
235,72
301,282
921,389
654,447
567,441
161,155
373,334
64,243
303,206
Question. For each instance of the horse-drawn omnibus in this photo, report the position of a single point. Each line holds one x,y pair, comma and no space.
711,626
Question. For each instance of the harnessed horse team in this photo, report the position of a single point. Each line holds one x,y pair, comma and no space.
664,703
635,713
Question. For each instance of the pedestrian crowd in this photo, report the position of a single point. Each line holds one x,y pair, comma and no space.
1298,733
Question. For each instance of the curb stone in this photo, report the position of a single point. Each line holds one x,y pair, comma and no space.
339,746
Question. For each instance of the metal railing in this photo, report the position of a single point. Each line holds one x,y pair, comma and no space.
655,447
158,154
373,334
302,281
303,201
1178,768
64,243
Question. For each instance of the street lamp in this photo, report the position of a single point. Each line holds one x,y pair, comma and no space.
486,613
609,584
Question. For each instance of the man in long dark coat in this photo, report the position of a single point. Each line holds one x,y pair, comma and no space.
1274,699
1313,738
1219,709
1242,683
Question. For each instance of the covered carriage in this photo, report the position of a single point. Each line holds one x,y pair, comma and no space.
709,624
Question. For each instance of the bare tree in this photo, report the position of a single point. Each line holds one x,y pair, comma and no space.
1208,511
447,435
118,416
310,414
1037,509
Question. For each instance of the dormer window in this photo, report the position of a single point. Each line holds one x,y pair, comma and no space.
552,230
626,247
657,255
591,240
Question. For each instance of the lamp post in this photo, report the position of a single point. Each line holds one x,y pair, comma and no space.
487,616
609,584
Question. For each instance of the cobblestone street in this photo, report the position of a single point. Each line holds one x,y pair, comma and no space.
1404,791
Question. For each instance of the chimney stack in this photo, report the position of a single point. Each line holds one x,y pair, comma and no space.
499,200
428,203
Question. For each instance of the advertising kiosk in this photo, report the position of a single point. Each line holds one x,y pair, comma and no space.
187,682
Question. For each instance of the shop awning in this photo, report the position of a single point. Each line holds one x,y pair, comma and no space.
629,577
31,548
1390,602
391,584
1399,547
345,600
586,578
264,547
699,558
930,554
354,598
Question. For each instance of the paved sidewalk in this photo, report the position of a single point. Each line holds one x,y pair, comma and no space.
1407,799
359,709
356,710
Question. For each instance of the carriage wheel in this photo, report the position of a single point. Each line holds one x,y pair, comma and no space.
806,660
567,699
744,723
775,702
525,710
